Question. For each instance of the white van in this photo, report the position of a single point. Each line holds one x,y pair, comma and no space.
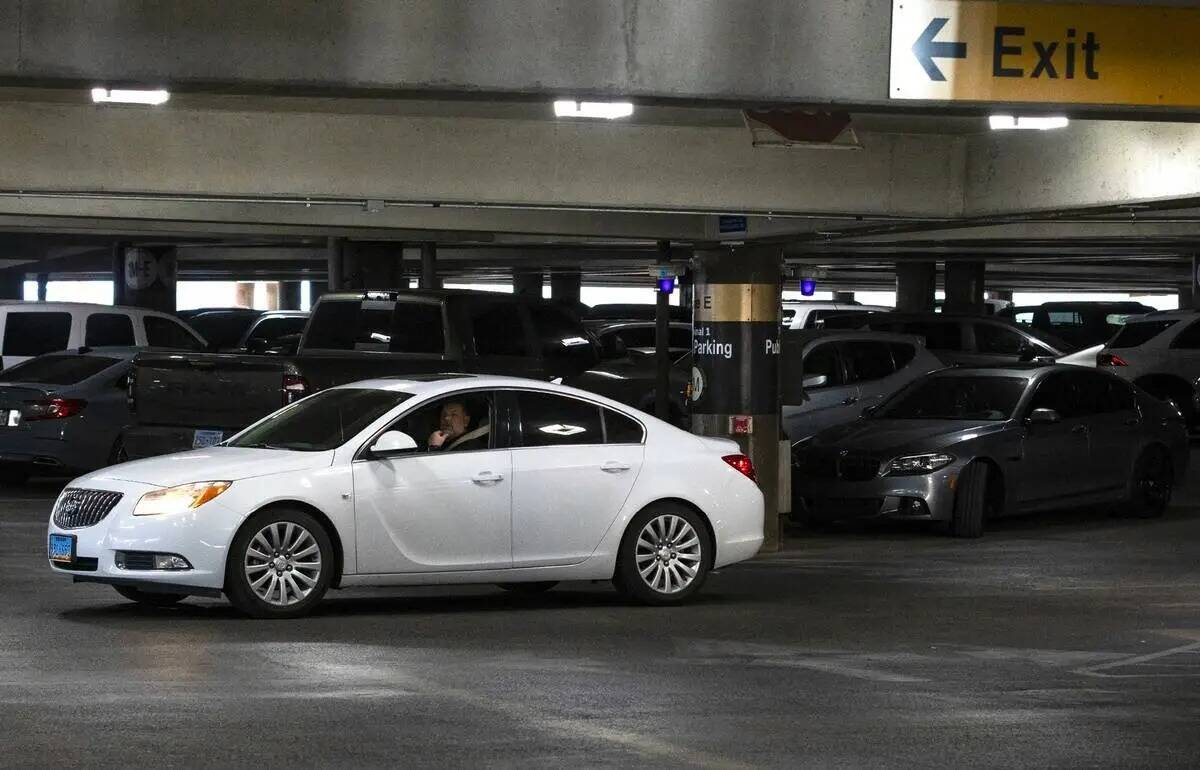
808,314
29,329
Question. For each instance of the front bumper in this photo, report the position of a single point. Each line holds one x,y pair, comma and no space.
925,497
201,536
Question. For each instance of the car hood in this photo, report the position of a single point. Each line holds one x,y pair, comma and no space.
212,464
900,436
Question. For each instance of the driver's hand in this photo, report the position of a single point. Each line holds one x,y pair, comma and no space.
437,438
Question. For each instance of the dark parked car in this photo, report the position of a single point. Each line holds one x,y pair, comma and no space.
960,446
222,327
255,331
612,312
1082,324
962,340
640,337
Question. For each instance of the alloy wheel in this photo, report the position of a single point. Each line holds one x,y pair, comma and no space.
1155,483
668,554
283,563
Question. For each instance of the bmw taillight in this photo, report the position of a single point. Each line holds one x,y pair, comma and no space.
52,409
1110,359
742,464
295,388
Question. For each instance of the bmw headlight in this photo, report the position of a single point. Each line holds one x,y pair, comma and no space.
912,465
178,499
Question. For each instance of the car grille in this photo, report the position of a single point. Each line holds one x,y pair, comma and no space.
833,464
141,560
79,508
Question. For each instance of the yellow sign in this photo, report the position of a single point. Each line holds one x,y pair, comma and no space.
975,50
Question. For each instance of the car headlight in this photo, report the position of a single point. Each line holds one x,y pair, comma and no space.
178,499
911,465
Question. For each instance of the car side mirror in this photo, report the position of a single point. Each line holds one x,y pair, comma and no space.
392,443
815,381
1026,354
1043,416
257,345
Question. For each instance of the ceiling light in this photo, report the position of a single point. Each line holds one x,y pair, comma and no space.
605,110
130,96
1009,122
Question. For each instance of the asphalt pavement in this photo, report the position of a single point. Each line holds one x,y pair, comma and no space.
1063,640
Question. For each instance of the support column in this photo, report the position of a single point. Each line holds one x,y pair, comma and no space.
1190,298
687,285
964,287
1004,294
566,287
735,362
147,277
843,296
12,284
43,282
915,286
333,254
527,283
662,331
289,295
244,294
429,277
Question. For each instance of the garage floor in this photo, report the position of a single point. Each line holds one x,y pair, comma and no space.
1072,639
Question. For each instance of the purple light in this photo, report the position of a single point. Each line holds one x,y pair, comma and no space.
666,285
808,286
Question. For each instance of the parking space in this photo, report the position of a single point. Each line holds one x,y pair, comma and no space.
1070,637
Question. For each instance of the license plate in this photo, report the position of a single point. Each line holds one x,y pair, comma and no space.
206,438
12,418
62,549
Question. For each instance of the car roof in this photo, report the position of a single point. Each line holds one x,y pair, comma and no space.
450,382
38,305
1164,315
1026,369
617,325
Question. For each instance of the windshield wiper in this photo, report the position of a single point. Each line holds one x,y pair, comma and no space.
262,445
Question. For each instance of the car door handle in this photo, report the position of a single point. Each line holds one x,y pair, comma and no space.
487,477
613,466
850,400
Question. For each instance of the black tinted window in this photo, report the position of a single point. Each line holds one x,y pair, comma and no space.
322,421
1137,333
165,333
276,327
823,359
222,328
902,353
351,325
956,398
619,429
1188,338
417,328
867,360
645,337
31,334
549,420
561,337
498,330
57,370
1066,394
108,329
1099,394
997,340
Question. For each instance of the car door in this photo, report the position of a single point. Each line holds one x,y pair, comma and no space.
819,406
870,366
1055,458
569,483
1114,432
436,511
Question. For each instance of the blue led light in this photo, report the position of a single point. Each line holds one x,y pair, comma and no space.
666,285
808,286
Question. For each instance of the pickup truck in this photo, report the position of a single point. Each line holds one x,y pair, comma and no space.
186,401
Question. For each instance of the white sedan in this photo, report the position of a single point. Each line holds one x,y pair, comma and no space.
426,480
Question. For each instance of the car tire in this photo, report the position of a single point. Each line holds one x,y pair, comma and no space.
152,598
660,546
970,501
1152,484
539,587
270,572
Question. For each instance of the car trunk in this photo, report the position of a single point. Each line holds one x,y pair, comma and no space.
15,397
206,391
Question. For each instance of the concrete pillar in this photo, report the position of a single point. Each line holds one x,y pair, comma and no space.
843,296
147,277
964,280
527,283
43,282
272,292
429,276
566,287
244,294
289,295
1190,299
687,284
1187,296
315,290
1004,294
12,284
735,377
916,283
333,255
662,355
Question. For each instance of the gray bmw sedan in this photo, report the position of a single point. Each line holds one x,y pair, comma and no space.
960,446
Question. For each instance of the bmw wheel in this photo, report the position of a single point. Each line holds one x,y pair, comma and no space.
665,555
279,565
1153,482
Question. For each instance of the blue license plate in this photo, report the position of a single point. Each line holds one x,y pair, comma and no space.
206,438
62,548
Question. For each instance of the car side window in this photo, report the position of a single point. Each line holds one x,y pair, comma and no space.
823,359
1024,318
902,353
1058,392
32,334
458,423
552,420
165,333
1105,395
1189,338
499,329
107,329
938,335
867,360
562,338
619,429
997,340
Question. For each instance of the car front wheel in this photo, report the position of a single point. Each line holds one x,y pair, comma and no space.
280,564
665,555
1153,482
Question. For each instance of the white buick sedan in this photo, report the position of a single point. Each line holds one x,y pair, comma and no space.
426,480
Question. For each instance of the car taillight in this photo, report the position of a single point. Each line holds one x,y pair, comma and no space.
742,464
1110,359
295,388
52,409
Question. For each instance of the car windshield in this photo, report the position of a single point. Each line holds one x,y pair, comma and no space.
956,398
322,421
57,369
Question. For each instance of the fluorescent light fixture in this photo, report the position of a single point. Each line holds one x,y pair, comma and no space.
605,110
130,96
1011,122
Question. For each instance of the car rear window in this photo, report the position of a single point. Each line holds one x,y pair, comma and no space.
58,370
32,334
1139,333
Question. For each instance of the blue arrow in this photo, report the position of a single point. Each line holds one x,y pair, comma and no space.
926,50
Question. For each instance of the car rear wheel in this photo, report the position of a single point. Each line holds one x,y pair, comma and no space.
151,598
664,556
280,564
540,587
970,501
1153,483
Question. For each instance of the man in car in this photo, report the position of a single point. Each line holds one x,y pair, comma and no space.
452,432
